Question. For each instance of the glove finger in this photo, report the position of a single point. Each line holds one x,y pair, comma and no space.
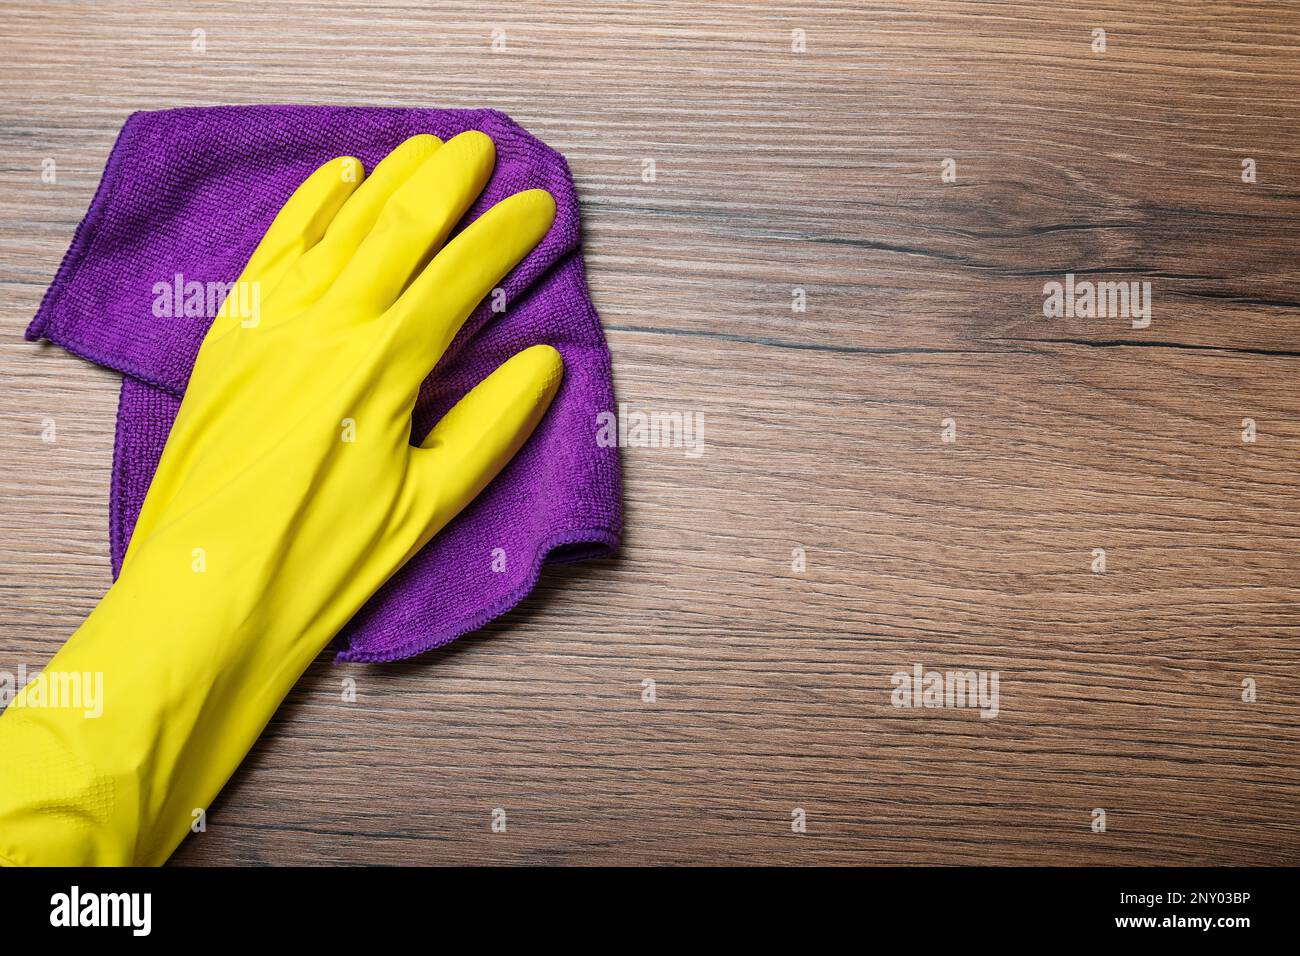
302,279
318,268
412,226
481,433
432,310
298,226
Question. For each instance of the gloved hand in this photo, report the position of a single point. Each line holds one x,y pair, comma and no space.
287,494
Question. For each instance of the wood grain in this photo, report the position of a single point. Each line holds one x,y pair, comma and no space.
778,170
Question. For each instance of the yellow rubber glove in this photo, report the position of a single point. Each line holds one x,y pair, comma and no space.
287,494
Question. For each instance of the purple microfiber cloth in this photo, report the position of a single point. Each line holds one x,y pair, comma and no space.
190,192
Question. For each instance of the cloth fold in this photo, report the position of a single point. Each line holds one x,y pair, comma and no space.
184,199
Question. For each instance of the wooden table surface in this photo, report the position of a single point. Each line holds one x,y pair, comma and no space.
778,170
